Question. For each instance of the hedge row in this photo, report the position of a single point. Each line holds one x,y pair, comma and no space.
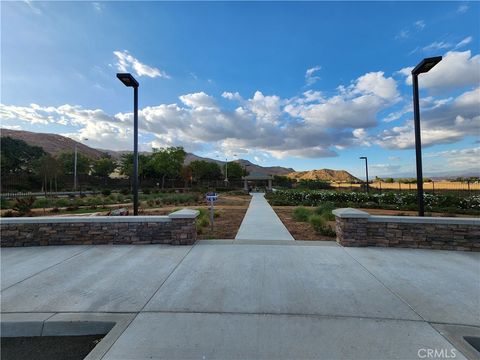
402,201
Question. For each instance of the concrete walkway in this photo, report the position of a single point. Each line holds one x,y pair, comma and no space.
261,222
242,301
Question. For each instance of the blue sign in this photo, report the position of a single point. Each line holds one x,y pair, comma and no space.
211,196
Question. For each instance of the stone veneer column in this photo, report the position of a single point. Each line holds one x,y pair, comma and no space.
184,230
178,228
351,227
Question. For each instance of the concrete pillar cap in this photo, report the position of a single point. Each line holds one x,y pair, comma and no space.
350,213
184,214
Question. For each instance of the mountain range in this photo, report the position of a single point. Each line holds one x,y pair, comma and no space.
55,144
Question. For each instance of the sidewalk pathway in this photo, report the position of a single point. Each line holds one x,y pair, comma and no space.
261,222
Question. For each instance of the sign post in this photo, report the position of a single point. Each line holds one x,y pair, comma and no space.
211,197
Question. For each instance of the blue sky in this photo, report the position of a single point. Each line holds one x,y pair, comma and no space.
305,85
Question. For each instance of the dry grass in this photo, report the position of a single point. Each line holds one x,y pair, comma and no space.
435,185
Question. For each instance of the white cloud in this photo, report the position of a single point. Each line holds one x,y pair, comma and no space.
11,127
308,125
266,108
406,32
420,24
126,62
458,158
446,121
376,83
398,114
310,77
231,96
403,34
457,69
464,42
462,8
198,100
383,169
98,6
32,7
437,45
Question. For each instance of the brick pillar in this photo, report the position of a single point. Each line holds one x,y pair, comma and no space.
351,227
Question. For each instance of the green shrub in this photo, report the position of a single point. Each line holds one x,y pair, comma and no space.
301,214
79,202
150,202
204,222
62,202
325,210
146,191
313,184
320,225
202,212
5,204
42,203
386,200
125,191
24,205
106,192
94,200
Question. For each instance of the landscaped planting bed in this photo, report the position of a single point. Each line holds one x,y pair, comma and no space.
387,200
302,229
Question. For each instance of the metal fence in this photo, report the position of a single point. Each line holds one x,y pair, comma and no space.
431,186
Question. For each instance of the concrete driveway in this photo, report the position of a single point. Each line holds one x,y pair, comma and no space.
265,301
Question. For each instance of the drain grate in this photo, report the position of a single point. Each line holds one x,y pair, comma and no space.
474,341
48,347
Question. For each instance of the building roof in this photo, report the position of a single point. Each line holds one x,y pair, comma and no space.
258,176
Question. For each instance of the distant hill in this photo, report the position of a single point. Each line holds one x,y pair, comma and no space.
324,174
251,167
55,144
52,143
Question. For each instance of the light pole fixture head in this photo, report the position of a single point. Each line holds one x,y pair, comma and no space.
127,79
426,65
363,157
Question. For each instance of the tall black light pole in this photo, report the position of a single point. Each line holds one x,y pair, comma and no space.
128,80
366,168
424,66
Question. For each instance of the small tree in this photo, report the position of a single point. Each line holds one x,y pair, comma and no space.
283,181
17,156
205,170
47,168
234,170
103,167
168,162
126,164
67,163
